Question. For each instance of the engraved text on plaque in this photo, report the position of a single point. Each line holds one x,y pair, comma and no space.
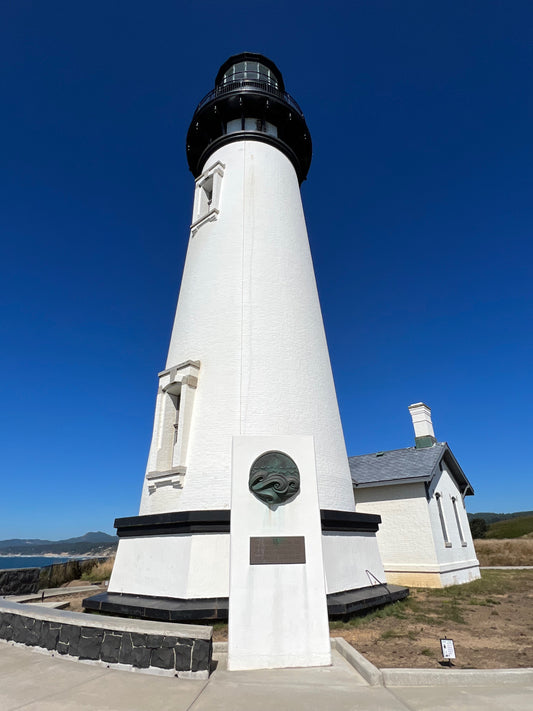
280,550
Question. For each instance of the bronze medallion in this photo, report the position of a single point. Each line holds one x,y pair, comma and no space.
274,478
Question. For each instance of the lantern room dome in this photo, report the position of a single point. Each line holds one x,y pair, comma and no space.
249,102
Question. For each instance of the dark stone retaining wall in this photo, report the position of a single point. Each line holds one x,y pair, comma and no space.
19,581
140,646
22,581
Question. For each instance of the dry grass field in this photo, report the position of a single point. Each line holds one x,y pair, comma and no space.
509,551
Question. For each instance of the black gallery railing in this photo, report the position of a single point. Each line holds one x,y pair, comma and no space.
251,85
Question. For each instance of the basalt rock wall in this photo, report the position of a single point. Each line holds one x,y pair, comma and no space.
19,581
182,650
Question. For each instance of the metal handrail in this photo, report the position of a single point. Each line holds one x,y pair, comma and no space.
251,84
378,582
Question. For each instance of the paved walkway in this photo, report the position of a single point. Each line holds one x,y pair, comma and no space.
33,681
52,592
506,567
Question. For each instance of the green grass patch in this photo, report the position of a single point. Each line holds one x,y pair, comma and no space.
437,607
492,582
390,634
432,620
484,603
219,626
452,612
397,610
394,634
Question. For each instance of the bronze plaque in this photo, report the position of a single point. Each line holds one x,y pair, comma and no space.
282,550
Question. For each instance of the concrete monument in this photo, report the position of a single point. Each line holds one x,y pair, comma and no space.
278,613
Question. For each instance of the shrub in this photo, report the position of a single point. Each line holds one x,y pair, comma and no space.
478,527
101,571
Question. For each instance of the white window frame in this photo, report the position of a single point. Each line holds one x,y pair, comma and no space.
447,542
458,521
174,406
207,196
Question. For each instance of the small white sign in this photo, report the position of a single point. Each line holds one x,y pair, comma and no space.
448,648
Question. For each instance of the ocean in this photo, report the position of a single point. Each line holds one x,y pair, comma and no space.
29,561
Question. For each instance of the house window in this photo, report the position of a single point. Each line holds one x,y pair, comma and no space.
459,527
447,542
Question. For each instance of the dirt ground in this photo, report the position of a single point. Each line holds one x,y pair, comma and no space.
489,620
491,629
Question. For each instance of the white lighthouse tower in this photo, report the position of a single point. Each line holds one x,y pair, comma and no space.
247,356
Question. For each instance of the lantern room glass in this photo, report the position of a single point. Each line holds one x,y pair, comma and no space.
250,71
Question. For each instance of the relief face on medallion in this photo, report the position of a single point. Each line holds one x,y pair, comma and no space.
274,478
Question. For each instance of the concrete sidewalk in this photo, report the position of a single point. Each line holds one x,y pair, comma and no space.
34,681
52,592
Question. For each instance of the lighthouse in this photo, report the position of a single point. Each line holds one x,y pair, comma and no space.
248,358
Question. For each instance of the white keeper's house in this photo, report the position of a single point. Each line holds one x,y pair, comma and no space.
424,538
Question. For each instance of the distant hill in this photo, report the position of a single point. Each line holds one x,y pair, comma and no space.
495,517
511,528
92,537
92,542
10,542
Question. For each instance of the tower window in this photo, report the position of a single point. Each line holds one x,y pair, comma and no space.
234,126
251,124
207,196
167,462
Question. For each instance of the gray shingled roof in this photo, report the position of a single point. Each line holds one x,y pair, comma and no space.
404,465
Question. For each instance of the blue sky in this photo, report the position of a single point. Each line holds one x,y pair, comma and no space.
418,205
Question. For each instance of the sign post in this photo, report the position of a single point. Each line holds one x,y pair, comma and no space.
448,651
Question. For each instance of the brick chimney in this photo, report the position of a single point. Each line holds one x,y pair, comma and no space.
421,416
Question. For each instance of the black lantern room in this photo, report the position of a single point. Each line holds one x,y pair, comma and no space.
249,102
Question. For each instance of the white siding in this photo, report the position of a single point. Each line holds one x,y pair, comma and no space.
404,536
458,562
410,538
248,311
